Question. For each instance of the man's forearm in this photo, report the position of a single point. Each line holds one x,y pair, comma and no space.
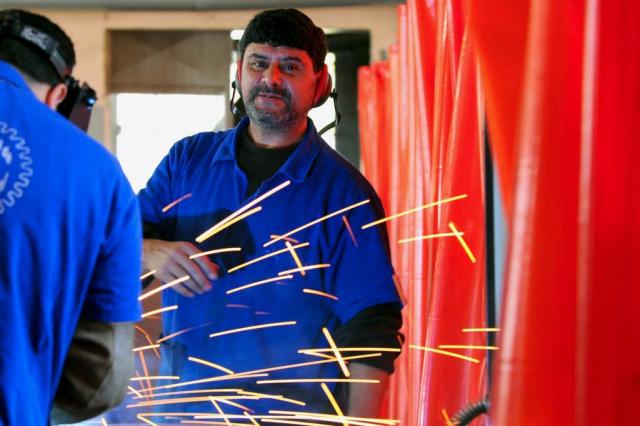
96,372
365,398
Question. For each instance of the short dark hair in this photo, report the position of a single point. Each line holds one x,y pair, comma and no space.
286,27
29,59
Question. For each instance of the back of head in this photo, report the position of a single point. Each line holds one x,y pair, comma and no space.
286,27
32,61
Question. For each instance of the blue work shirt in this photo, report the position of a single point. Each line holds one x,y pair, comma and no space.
359,275
70,242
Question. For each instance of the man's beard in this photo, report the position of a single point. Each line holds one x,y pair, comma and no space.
273,120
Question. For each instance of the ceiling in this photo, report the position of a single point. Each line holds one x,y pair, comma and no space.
184,4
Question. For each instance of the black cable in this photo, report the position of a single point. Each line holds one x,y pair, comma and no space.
334,123
469,413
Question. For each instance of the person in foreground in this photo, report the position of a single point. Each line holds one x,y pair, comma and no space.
70,241
330,281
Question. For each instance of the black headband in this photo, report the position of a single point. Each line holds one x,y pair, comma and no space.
10,26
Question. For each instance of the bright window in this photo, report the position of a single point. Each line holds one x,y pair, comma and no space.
149,124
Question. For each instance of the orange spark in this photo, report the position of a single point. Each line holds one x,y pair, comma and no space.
173,203
257,283
144,348
217,228
207,380
471,330
291,240
252,327
438,351
266,256
132,389
216,251
295,257
187,400
305,268
177,333
147,421
164,287
462,242
157,311
486,348
336,352
333,402
305,364
145,334
133,379
320,355
143,361
314,222
291,422
210,364
446,418
223,223
346,223
265,382
277,397
253,422
328,417
189,392
181,413
215,404
227,400
319,293
429,237
350,349
425,206
148,274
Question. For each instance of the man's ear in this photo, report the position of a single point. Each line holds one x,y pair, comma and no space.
55,95
238,75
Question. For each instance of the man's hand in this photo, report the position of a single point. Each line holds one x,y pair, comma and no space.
170,260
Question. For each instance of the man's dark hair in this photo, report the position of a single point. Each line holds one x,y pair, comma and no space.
286,27
28,58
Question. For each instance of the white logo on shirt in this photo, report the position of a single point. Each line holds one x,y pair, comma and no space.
15,166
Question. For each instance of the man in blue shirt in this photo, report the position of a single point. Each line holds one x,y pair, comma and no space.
70,242
297,264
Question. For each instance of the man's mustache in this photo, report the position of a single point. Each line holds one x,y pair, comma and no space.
258,90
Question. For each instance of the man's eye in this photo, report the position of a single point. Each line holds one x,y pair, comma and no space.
259,65
289,67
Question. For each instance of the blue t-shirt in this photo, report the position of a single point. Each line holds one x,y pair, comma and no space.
360,272
69,246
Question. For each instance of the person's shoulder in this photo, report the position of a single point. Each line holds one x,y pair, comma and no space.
202,142
341,172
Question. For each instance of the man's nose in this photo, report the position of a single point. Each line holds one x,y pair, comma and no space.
272,76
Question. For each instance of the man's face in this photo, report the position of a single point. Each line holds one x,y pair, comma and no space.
277,85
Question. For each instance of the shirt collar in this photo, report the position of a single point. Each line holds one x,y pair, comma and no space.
10,74
297,165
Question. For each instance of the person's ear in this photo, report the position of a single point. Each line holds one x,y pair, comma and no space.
55,95
238,76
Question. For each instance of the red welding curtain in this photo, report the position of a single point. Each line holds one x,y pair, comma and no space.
562,85
421,120
563,89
